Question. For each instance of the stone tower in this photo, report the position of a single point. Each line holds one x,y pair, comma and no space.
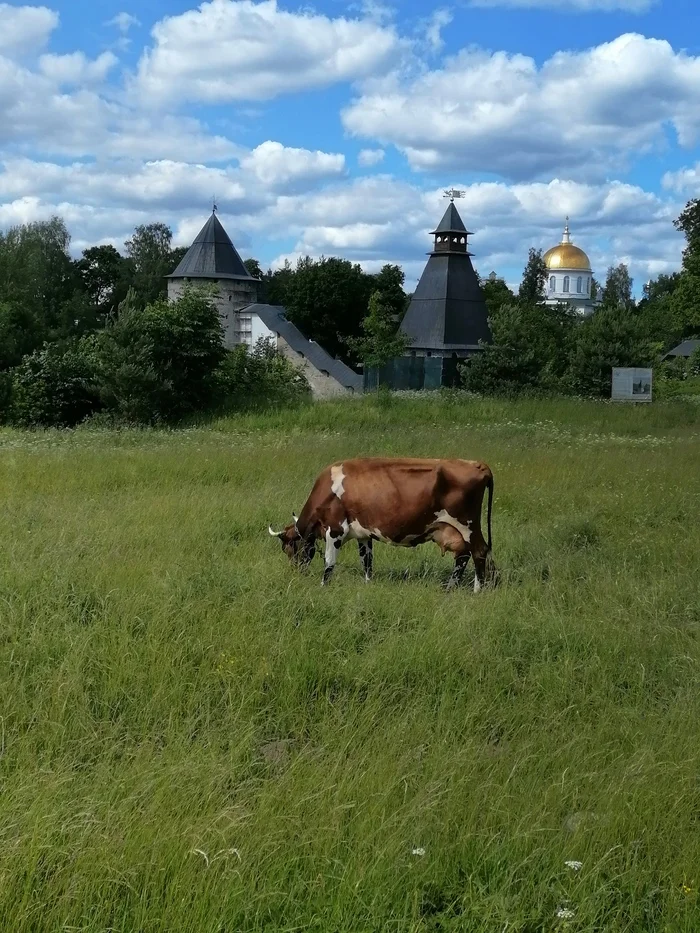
213,259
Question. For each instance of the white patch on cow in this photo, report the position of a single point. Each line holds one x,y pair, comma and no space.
377,534
445,518
337,480
331,550
477,585
357,532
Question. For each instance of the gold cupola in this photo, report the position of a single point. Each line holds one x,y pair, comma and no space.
566,255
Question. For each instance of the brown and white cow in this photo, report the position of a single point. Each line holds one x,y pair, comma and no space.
399,501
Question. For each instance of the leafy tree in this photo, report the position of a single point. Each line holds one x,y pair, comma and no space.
57,385
261,376
529,352
106,277
382,341
389,282
37,274
159,363
613,336
534,278
496,293
253,267
20,333
149,250
688,223
326,298
617,292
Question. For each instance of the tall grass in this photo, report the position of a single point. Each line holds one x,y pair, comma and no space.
194,738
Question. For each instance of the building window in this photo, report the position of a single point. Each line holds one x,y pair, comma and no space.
243,329
553,283
566,284
579,284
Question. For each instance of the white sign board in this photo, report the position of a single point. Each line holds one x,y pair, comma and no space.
631,385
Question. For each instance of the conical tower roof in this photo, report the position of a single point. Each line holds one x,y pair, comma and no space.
212,256
448,311
451,222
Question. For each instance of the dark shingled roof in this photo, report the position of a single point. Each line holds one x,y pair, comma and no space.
451,222
685,349
274,318
448,310
212,256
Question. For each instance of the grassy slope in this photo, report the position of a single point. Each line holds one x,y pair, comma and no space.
154,641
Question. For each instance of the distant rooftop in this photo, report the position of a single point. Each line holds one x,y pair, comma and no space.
212,256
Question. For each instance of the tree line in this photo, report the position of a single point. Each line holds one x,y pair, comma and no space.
539,348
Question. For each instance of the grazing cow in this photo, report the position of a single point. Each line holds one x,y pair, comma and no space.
404,502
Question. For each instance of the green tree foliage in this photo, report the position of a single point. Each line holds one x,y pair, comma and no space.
56,386
381,341
38,276
613,336
534,278
254,268
617,292
106,277
159,363
529,351
149,249
389,282
259,378
496,293
21,332
326,299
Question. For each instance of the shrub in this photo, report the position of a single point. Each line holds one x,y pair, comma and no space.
56,386
161,363
259,377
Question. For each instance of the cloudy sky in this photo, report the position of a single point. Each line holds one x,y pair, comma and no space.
333,127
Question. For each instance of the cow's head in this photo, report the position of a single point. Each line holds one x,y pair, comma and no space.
299,550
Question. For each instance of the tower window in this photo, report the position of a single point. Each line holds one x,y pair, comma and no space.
566,283
579,284
462,240
553,283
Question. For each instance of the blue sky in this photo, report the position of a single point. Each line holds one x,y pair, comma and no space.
332,128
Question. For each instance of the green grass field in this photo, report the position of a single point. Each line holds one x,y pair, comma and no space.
195,739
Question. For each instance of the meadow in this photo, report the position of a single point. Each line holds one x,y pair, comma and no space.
194,738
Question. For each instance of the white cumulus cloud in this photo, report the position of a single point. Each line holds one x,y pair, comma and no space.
369,157
76,68
245,50
572,6
580,113
25,28
277,165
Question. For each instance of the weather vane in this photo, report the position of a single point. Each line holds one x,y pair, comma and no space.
214,207
454,193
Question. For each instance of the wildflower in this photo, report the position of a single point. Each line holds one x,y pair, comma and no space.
686,889
565,913
574,866
419,852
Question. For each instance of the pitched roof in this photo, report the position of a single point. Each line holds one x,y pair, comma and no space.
686,349
211,256
451,222
448,310
274,318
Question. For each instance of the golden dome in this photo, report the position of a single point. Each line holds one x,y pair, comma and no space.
566,255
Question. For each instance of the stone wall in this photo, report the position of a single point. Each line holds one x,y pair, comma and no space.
322,386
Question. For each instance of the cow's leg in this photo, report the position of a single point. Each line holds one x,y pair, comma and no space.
461,561
480,555
366,555
334,542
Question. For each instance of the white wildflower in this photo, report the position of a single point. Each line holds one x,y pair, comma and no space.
574,866
565,913
419,852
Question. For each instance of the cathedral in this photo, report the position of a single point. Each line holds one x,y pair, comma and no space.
569,276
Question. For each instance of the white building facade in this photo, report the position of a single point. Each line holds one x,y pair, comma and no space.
569,276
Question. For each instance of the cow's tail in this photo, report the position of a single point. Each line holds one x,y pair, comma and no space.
489,486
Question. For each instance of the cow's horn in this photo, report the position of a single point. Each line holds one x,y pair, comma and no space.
296,519
273,534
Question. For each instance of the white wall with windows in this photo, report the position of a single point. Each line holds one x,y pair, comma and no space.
572,286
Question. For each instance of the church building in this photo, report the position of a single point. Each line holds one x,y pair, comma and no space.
569,276
447,319
214,260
